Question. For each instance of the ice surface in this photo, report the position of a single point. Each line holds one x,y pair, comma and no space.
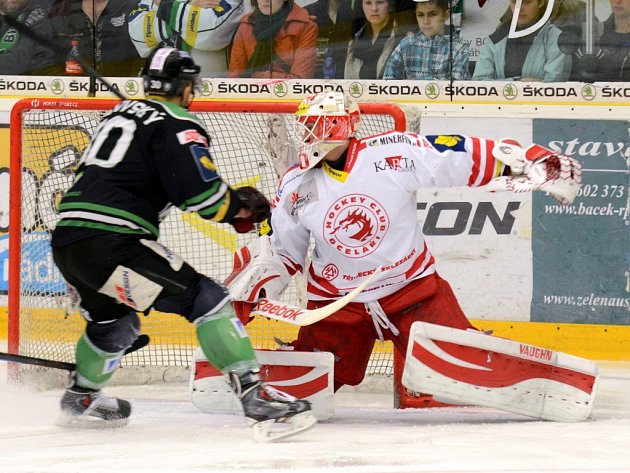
168,434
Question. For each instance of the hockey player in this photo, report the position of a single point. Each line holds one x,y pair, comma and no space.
145,157
357,199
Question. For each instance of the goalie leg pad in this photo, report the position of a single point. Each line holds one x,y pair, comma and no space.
304,375
465,367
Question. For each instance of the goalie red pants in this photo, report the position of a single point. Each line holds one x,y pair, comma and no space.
350,334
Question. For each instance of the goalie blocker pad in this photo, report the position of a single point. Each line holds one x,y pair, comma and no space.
304,375
257,267
466,367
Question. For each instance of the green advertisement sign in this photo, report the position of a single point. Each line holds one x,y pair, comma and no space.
581,252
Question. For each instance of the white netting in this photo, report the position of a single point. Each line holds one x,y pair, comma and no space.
251,148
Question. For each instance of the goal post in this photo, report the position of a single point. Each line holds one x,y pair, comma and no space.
252,144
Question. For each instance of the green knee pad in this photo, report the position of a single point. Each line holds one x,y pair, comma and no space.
94,366
225,343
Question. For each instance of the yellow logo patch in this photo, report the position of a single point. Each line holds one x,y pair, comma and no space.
207,163
447,140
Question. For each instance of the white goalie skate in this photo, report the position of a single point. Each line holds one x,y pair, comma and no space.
272,414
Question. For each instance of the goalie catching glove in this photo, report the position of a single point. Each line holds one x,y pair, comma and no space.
537,168
254,201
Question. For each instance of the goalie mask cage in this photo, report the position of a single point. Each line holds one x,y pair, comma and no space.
251,144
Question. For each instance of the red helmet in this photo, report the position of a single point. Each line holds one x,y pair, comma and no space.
323,122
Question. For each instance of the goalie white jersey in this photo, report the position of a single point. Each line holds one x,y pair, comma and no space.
359,216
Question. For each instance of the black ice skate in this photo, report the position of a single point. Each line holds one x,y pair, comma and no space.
272,414
82,407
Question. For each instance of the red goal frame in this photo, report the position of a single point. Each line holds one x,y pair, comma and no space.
93,104
401,397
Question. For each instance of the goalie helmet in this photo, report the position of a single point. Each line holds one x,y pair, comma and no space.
167,71
323,122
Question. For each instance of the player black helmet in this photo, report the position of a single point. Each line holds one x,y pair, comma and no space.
167,71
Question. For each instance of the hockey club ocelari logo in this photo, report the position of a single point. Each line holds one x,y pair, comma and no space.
355,225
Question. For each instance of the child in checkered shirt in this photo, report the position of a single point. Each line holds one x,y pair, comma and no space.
426,55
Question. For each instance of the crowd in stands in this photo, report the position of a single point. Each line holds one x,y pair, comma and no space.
547,41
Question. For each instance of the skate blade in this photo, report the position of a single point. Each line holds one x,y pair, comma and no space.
271,431
88,422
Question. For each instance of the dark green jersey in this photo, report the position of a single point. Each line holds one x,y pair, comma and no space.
145,157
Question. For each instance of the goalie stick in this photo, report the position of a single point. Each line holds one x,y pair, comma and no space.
295,315
141,342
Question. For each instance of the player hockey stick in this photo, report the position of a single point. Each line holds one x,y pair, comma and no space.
141,342
51,44
298,316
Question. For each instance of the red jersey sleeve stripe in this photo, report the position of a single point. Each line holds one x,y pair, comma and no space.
353,151
477,163
491,164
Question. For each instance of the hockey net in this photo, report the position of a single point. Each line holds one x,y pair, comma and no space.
252,146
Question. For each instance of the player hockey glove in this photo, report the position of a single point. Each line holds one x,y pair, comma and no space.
537,168
256,202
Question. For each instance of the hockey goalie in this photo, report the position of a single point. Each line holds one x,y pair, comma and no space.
356,198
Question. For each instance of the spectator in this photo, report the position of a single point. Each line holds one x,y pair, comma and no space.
430,54
334,21
19,54
564,14
398,8
276,40
534,57
614,44
570,16
207,36
613,57
100,27
372,45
